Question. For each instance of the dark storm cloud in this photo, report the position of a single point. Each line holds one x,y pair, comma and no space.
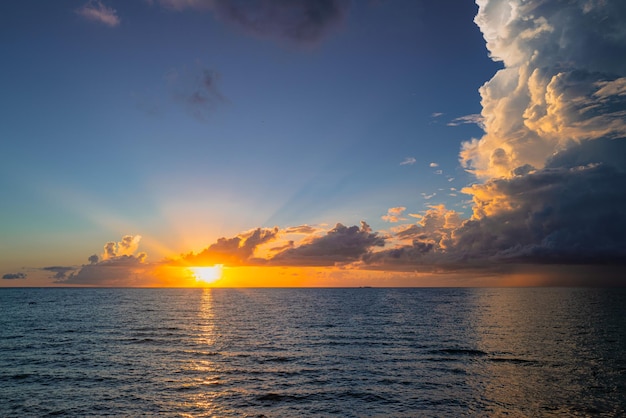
14,276
60,272
341,244
569,212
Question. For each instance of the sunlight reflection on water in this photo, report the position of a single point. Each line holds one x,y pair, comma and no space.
286,352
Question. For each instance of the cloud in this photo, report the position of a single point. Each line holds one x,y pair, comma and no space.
408,161
185,4
562,81
301,229
433,165
434,226
341,244
60,272
553,155
295,21
474,119
127,246
394,214
121,265
569,212
436,114
14,276
96,11
298,21
123,270
281,248
234,251
197,89
552,162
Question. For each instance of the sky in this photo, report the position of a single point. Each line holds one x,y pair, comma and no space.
312,143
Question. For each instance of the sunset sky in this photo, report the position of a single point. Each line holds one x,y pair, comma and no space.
312,143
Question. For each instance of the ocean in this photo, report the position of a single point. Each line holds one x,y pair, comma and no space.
313,352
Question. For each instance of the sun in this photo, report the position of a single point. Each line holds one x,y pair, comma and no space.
207,275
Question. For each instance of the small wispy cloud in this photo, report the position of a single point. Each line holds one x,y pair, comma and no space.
408,161
436,114
14,276
197,89
439,172
302,229
433,165
428,196
394,214
95,11
475,119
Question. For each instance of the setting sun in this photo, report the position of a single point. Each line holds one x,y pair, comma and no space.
207,275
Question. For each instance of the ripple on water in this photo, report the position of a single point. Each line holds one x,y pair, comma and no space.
321,352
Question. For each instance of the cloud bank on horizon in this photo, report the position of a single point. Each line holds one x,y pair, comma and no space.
551,164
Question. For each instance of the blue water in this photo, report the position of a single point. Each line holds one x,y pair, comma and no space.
313,352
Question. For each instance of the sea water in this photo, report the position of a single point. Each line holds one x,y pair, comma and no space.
313,352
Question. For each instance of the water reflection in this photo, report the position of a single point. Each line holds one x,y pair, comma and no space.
200,369
206,318
545,351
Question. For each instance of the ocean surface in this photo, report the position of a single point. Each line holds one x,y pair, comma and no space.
313,352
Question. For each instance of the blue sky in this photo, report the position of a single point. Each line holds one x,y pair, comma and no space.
183,122
299,132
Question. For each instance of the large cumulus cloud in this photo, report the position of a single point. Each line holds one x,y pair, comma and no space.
552,163
562,81
553,157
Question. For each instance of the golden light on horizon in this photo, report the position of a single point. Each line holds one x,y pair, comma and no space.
207,275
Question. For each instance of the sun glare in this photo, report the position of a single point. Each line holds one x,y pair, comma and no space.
207,275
